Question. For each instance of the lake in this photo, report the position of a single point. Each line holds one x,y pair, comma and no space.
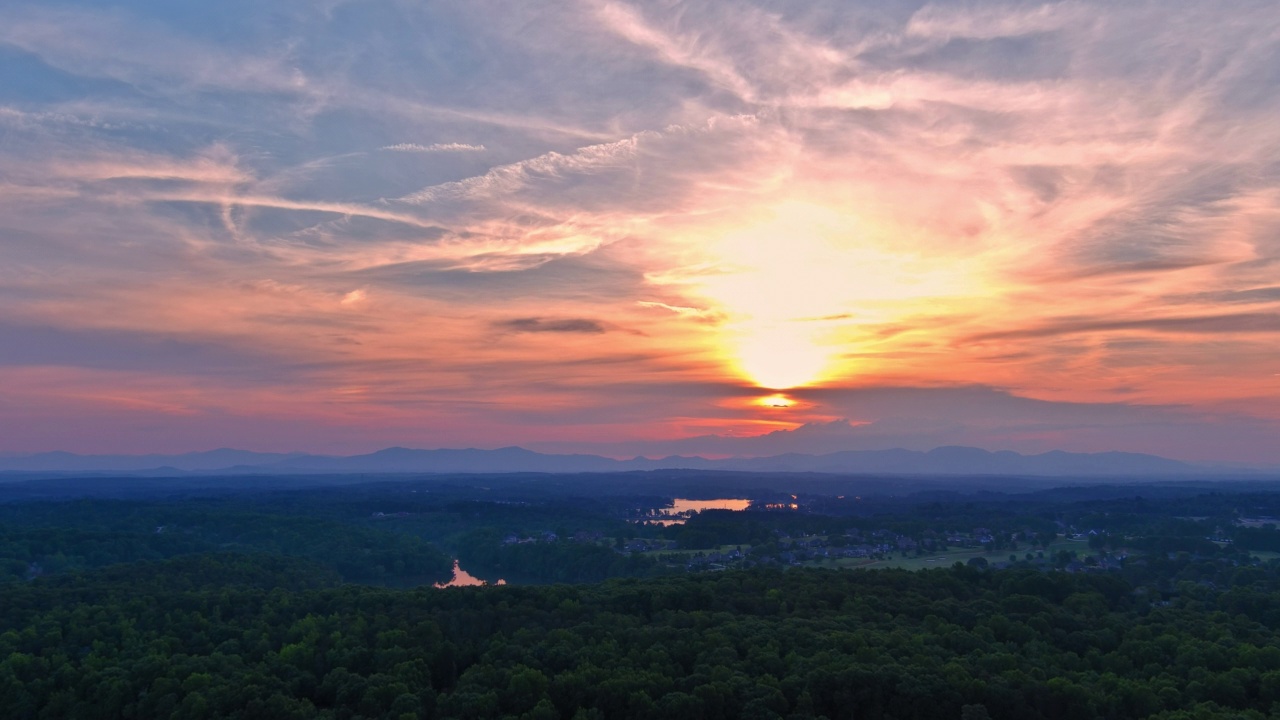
683,508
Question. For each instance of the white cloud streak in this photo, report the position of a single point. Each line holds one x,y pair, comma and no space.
434,147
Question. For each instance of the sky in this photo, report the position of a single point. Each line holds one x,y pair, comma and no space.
717,227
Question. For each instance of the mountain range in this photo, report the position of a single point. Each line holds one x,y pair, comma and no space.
950,460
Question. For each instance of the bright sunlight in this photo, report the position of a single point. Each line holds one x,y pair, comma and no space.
798,277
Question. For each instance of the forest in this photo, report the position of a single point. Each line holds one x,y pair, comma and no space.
320,603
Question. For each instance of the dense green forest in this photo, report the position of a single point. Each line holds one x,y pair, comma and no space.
318,603
252,636
61,537
551,561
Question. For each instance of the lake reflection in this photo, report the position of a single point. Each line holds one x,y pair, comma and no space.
682,508
462,578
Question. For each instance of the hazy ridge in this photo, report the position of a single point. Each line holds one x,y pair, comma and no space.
949,460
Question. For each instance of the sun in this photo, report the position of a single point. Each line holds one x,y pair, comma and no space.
782,278
778,401
799,285
779,357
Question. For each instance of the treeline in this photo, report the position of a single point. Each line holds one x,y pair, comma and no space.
715,528
252,636
558,561
1257,538
41,539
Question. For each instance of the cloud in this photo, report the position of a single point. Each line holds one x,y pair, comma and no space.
142,51
215,165
1210,325
1259,295
946,21
1071,201
628,23
545,325
924,418
699,314
130,350
515,176
434,147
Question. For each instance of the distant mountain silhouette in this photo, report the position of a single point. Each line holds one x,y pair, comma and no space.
952,460
69,462
948,460
398,459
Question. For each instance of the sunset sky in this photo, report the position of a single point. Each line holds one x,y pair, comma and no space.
641,227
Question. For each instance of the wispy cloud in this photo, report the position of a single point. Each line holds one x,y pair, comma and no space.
142,51
691,313
946,21
551,325
434,147
1234,323
518,175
